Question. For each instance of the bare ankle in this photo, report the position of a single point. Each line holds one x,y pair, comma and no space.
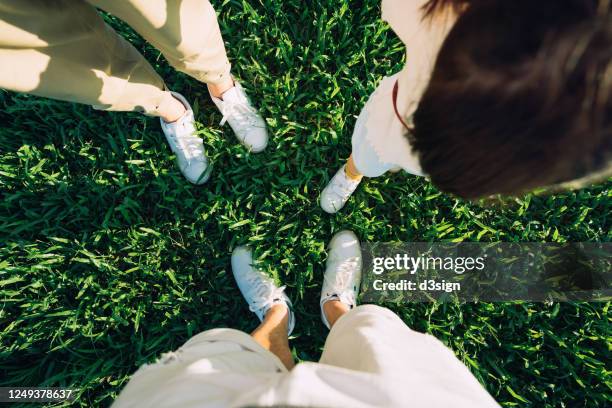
351,171
278,315
334,309
272,334
172,111
217,90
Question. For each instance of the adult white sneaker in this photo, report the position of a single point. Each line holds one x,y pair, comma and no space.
338,191
342,271
258,289
186,145
237,110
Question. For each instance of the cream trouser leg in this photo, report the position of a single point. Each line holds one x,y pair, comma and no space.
62,49
372,339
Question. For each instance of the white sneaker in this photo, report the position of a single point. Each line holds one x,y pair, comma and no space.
248,126
338,191
258,290
342,271
186,145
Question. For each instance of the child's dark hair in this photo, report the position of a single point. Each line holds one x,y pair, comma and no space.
520,96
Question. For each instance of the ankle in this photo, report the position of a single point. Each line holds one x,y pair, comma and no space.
275,322
278,313
334,309
272,334
353,175
172,110
217,90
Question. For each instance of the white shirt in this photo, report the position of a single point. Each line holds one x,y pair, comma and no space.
379,141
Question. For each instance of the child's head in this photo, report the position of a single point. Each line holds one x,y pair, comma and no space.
520,96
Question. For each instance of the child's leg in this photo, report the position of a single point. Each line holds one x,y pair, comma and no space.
373,123
340,187
351,171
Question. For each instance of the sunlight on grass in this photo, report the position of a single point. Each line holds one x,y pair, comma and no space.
109,258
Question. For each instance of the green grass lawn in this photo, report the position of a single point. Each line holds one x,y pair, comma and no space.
108,257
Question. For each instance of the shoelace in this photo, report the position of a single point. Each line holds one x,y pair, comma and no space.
241,111
265,294
192,146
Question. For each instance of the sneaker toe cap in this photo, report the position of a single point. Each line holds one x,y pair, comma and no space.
330,203
242,258
197,172
346,241
329,207
257,140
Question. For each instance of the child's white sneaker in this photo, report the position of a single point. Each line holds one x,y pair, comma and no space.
237,110
260,292
186,145
342,271
338,191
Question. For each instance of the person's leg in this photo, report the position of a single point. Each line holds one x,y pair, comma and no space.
333,310
342,277
338,302
374,340
186,32
64,50
351,170
212,367
269,302
188,35
340,188
271,334
372,130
